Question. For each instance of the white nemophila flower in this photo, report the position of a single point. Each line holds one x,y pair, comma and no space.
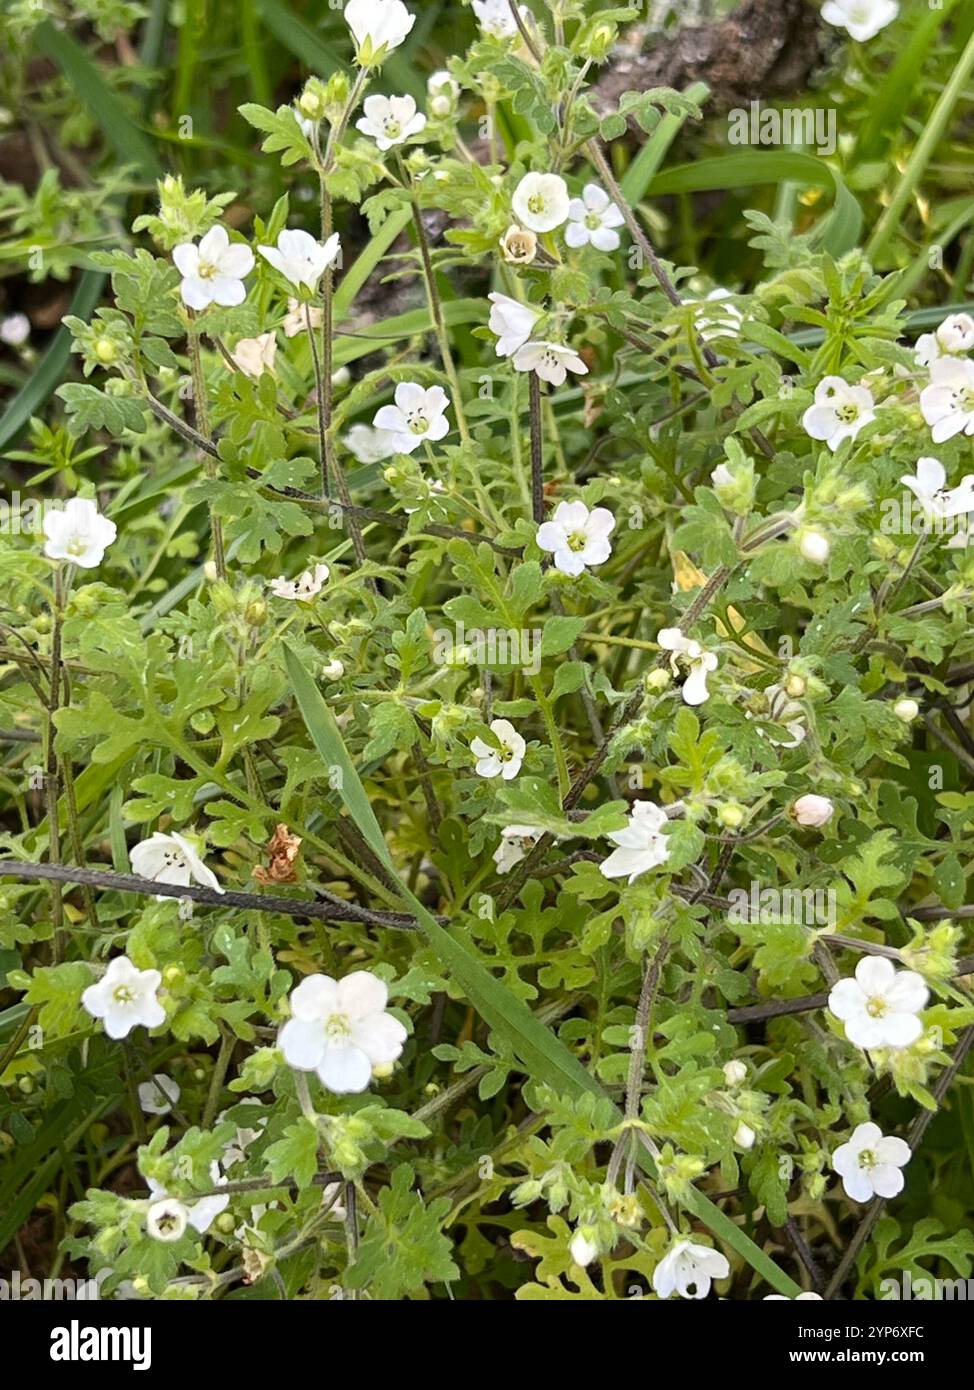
688,1270
369,445
201,1212
519,245
869,1163
495,18
378,26
811,810
167,1219
577,537
955,334
213,270
419,414
77,532
814,546
306,587
862,19
172,859
839,411
443,91
512,321
124,998
297,317
719,321
504,761
641,846
551,361
929,487
690,658
301,259
254,356
516,842
158,1096
799,1298
947,404
390,120
340,1030
592,220
541,201
880,1007
15,330
582,1248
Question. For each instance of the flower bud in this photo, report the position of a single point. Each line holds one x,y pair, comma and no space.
744,1136
735,1072
906,709
731,815
333,671
583,1246
811,810
814,546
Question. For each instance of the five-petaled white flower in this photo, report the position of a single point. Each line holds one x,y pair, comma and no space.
504,761
419,414
496,18
368,444
340,1029
158,1096
77,532
862,19
301,259
378,26
577,537
306,587
551,361
516,842
201,1213
254,356
124,998
839,411
689,658
172,859
869,1163
167,1219
955,334
512,321
390,120
929,487
592,220
881,1006
641,845
688,1269
947,404
541,201
213,270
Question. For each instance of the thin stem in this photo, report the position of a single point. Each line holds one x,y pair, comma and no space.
436,313
203,425
51,774
537,448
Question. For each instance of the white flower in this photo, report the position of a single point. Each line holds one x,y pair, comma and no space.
200,1214
735,1072
419,414
577,537
306,587
880,1007
443,91
812,810
863,19
541,201
167,1219
339,1029
516,842
688,1269
213,271
955,334
641,845
947,404
929,488
744,1136
378,26
799,1297
78,532
254,356
390,120
158,1096
840,411
519,245
172,859
296,318
124,998
721,321
907,710
368,444
512,321
504,761
583,1249
551,361
688,656
869,1164
592,220
495,18
814,546
301,259
15,330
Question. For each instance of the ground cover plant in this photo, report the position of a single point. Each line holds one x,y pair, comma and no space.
485,652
